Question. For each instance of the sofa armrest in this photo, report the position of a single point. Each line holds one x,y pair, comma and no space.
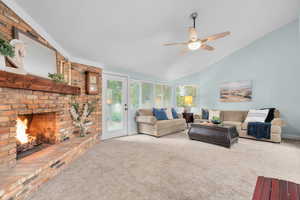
197,116
146,119
278,122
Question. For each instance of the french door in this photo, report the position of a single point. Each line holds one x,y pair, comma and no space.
115,106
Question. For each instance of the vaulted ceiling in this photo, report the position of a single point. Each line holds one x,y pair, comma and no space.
129,34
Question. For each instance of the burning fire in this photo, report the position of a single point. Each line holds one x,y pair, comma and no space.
22,136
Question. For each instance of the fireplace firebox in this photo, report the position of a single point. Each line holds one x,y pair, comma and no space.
35,132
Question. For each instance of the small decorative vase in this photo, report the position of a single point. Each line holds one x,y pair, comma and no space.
82,132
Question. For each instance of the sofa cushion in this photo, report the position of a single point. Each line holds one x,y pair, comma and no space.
174,113
205,113
257,115
146,119
231,115
170,123
270,116
145,112
238,125
160,114
169,113
214,113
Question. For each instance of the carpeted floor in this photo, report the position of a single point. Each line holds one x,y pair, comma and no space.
141,167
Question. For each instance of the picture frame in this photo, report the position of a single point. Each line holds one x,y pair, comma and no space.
65,69
236,91
92,83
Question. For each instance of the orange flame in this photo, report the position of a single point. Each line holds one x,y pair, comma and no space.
22,137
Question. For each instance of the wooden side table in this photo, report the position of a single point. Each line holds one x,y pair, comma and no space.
189,117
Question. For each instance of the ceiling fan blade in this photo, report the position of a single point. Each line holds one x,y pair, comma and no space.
207,47
215,37
175,43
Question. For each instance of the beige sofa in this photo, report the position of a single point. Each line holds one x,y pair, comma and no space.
237,119
147,124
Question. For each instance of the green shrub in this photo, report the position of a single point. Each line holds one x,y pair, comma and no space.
116,116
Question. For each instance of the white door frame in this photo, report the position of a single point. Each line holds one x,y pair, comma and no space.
125,80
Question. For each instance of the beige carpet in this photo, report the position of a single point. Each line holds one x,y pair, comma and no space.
141,167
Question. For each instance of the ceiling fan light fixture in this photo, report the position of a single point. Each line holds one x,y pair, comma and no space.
194,45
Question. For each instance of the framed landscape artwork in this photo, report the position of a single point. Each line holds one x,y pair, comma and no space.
238,91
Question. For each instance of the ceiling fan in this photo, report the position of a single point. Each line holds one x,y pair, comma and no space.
194,42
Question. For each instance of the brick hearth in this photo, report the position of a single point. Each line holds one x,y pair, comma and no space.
32,171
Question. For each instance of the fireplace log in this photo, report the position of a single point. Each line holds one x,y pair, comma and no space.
30,82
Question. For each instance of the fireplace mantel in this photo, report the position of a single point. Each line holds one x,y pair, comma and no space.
30,82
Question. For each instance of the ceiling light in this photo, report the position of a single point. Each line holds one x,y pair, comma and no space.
194,45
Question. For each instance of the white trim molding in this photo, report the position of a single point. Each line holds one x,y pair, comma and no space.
86,62
38,28
291,137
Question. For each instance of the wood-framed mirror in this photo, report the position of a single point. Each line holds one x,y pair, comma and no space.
39,59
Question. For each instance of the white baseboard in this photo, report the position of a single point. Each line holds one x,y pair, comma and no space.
133,133
291,137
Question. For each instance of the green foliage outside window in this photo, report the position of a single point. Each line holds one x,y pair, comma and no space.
147,95
186,90
114,97
116,91
163,96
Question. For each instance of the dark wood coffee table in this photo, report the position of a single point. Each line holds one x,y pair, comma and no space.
215,134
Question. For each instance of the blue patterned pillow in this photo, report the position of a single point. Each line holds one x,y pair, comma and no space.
160,114
174,113
205,114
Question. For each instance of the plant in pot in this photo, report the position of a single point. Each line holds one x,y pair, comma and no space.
216,120
59,78
6,49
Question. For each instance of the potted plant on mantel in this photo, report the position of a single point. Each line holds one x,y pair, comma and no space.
6,49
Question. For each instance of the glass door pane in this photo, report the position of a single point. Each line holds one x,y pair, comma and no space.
114,105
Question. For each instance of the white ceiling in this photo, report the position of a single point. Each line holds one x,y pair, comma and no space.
129,34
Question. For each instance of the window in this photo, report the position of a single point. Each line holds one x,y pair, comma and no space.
159,99
134,92
163,96
147,95
186,96
167,96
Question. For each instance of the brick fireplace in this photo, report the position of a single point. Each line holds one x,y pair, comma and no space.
35,132
44,114
41,107
37,135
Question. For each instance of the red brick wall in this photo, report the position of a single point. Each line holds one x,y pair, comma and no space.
17,101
